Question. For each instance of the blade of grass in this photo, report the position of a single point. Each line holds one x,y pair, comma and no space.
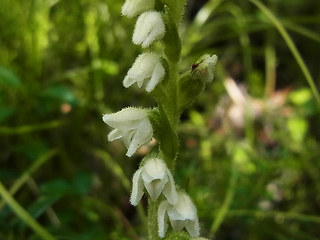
24,215
26,174
275,214
226,203
301,30
205,12
270,66
31,128
290,45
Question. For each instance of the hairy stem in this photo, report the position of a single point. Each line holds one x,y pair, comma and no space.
153,220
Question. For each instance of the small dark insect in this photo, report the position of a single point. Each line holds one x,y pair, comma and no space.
194,66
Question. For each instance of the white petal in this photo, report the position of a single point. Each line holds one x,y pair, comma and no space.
127,137
142,135
184,209
114,134
155,33
137,188
193,227
169,190
127,118
149,28
143,68
162,223
157,76
128,81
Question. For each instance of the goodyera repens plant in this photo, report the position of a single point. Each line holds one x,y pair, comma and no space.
170,209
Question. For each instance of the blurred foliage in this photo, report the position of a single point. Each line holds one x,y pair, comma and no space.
249,154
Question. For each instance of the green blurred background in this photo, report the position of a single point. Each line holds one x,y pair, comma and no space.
249,152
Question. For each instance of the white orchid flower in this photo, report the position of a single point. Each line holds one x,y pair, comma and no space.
132,125
132,8
147,67
149,28
181,215
156,178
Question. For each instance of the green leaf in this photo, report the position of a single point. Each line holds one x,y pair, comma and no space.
168,139
82,183
9,77
176,8
57,187
60,93
172,43
41,205
5,113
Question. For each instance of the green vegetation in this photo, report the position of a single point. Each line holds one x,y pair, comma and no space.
249,145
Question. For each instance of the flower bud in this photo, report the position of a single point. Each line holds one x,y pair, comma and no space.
147,68
204,67
132,8
149,28
192,83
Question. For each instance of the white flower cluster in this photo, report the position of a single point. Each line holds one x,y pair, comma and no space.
149,28
133,126
155,177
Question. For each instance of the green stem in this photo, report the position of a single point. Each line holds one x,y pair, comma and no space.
24,215
270,59
291,46
227,202
153,220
